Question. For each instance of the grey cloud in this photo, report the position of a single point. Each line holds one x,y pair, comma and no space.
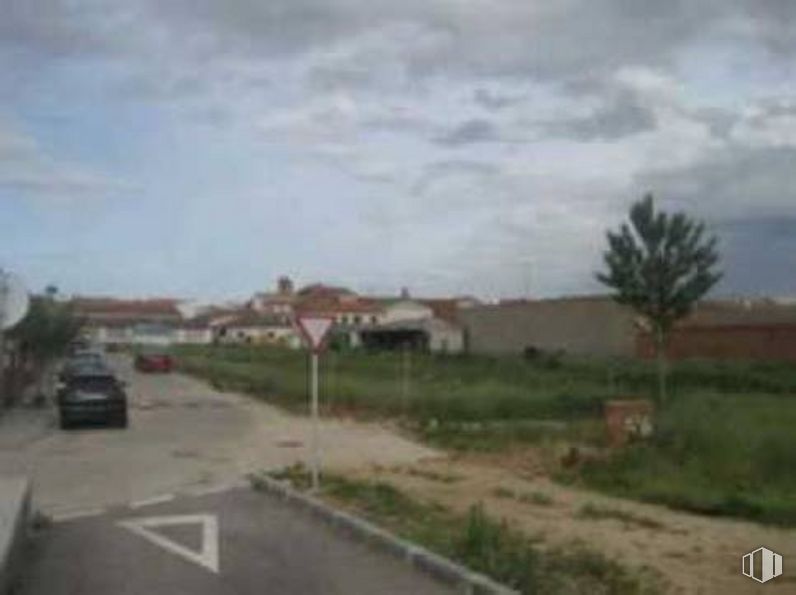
476,130
435,171
774,24
720,122
50,27
775,107
757,255
562,41
623,116
493,101
730,184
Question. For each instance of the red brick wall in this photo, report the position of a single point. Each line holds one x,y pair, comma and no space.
755,342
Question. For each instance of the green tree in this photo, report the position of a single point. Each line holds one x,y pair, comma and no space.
660,265
46,331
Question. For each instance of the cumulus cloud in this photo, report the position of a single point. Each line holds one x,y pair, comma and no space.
522,127
732,183
568,38
472,131
623,116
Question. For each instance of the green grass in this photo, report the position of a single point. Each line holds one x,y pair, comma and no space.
440,387
724,455
724,446
479,541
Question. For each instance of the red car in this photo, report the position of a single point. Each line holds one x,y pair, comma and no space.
154,362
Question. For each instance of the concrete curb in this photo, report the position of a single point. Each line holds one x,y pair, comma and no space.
15,517
471,583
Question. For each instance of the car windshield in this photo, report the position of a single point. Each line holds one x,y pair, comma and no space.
86,357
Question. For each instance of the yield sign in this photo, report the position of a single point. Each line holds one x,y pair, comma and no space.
315,329
207,556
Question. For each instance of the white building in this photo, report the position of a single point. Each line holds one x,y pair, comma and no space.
408,323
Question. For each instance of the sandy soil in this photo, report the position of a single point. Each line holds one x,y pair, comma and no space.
688,553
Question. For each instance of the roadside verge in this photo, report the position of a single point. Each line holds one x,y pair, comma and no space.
470,583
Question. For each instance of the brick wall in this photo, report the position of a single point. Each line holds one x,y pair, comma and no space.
751,342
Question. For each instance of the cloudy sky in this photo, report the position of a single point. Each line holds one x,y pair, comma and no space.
202,148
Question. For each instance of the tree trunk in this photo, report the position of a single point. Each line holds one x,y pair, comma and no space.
660,353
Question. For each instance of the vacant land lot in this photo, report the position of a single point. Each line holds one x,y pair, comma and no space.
724,446
680,552
480,541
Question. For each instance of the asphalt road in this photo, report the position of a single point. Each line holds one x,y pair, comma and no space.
235,542
183,435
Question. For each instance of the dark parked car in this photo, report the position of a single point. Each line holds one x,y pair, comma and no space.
78,345
92,394
80,359
154,361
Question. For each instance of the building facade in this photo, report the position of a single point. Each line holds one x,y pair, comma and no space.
586,326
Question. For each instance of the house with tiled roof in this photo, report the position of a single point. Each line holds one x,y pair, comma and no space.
127,321
385,322
252,328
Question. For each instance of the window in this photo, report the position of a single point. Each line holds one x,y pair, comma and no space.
357,319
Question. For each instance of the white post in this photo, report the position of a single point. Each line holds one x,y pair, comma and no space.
314,463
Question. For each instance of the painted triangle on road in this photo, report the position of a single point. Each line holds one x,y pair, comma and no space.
207,556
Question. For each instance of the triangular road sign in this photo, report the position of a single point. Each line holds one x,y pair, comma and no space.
315,329
208,554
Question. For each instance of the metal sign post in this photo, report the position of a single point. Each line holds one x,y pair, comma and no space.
315,329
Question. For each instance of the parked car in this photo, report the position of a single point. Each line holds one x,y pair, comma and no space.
92,394
154,361
77,345
80,359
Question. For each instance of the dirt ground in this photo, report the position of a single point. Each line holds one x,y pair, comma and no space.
688,553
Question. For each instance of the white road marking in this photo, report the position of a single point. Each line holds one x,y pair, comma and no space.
76,514
207,557
151,501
